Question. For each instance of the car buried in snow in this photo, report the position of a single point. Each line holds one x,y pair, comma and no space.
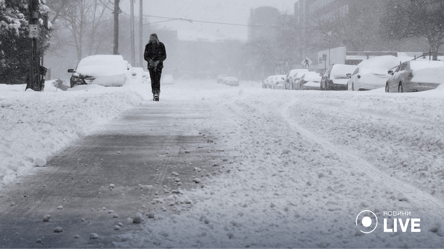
220,78
231,81
105,70
310,81
266,82
278,82
416,76
372,74
292,76
336,77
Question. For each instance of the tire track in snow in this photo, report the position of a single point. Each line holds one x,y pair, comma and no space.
413,194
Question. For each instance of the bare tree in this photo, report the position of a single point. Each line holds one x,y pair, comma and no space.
412,18
83,18
356,27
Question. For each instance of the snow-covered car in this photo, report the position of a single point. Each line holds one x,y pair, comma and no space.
136,73
105,70
415,76
167,79
231,81
265,82
372,73
292,76
336,77
310,81
270,81
296,84
220,78
278,82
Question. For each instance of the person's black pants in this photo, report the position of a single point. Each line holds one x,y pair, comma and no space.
155,80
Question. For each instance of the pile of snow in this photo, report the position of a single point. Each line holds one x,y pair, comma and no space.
36,125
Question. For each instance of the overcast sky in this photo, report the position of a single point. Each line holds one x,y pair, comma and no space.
227,11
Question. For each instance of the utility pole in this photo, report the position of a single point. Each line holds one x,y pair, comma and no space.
116,26
133,38
141,50
34,81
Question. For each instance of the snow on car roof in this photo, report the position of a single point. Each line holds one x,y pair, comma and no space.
383,62
417,65
103,65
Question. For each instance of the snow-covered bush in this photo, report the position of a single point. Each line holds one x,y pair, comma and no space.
15,46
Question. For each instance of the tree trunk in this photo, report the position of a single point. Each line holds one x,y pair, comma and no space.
116,26
435,49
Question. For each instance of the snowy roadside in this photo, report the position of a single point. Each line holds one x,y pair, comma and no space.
36,125
309,163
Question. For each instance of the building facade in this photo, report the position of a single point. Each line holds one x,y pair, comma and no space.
263,22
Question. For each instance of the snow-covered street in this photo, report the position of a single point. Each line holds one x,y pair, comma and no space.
299,166
309,163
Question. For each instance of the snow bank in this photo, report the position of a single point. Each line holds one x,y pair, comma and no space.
35,125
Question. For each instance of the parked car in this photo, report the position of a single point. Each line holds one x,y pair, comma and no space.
231,81
136,74
278,82
296,84
310,81
105,70
372,73
220,78
415,76
265,82
336,77
292,76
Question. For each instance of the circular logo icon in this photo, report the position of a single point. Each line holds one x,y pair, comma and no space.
367,221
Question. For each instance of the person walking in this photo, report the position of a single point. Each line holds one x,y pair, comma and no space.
155,54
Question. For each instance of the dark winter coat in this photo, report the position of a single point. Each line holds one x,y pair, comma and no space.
155,52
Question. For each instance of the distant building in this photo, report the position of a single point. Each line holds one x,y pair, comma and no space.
305,10
263,22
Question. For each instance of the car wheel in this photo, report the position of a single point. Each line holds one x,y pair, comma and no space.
387,88
400,88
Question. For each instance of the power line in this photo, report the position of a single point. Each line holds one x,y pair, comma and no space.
221,23
218,23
